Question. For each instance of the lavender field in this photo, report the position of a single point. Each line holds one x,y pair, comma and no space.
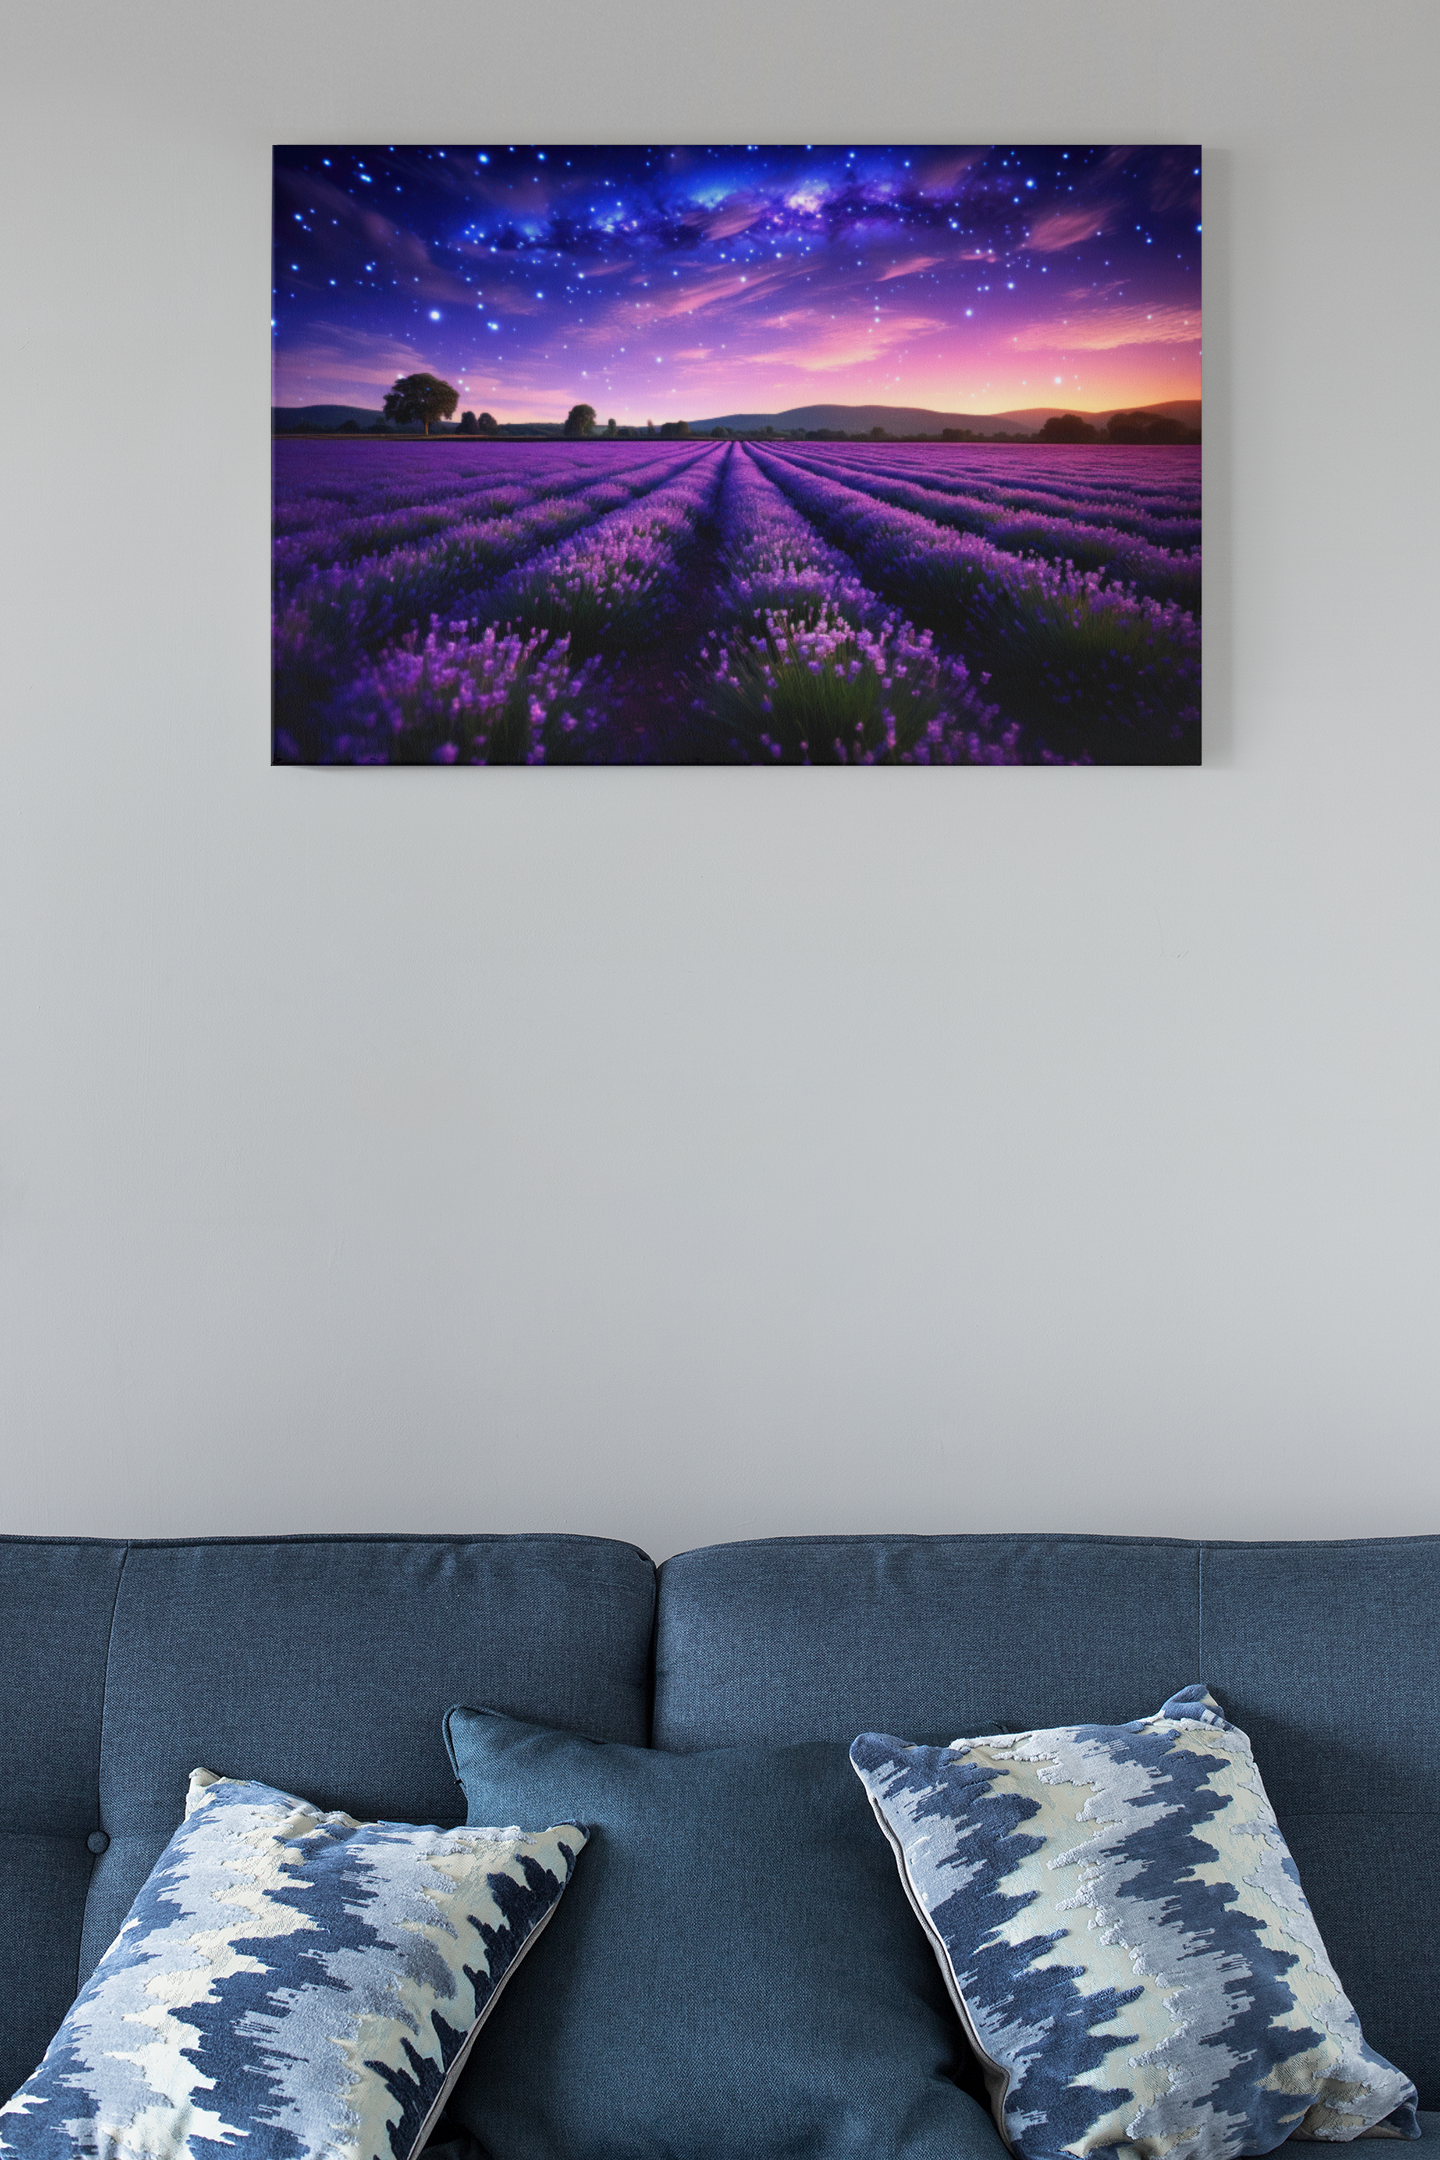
699,602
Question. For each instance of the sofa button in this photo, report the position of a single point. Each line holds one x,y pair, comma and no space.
97,1841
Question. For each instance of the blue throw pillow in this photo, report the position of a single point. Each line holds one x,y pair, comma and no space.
1125,1936
734,1974
289,1984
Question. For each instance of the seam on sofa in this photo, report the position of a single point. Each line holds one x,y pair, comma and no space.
100,1744
652,1661
1200,1672
1051,1537
947,1537
363,1537
25,1537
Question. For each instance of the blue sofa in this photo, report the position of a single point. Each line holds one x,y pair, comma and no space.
324,1665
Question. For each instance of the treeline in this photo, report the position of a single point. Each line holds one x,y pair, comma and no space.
582,425
1123,427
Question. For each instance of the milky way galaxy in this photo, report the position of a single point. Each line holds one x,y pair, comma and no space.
694,283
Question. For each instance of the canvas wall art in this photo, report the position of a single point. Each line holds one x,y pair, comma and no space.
744,455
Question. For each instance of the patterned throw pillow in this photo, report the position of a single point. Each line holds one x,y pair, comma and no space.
289,1983
1125,1937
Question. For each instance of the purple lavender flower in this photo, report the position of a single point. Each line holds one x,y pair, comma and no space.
523,601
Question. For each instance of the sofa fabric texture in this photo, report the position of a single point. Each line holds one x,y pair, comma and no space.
1127,1941
291,1981
56,1599
1326,1653
323,1666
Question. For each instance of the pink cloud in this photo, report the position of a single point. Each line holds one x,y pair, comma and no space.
827,349
372,232
1111,327
940,176
736,217
1174,183
745,288
907,269
346,367
1067,228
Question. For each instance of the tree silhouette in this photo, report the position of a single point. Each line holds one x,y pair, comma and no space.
611,430
420,397
1146,427
485,425
1069,428
580,420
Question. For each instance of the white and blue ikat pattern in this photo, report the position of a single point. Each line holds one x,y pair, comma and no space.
1124,1934
289,1984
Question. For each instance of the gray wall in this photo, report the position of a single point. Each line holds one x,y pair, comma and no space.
690,1155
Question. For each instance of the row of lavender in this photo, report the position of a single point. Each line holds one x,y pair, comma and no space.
1149,536
570,597
343,606
810,665
1093,664
822,670
535,665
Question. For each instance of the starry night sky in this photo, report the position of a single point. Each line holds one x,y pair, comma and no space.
688,283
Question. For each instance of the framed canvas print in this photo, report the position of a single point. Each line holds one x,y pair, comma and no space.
737,455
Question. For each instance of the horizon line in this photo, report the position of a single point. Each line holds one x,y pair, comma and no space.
1082,412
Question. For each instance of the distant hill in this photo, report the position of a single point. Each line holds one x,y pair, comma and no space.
919,420
845,419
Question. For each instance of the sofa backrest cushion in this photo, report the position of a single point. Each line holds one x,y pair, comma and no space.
56,1599
322,1665
1326,1654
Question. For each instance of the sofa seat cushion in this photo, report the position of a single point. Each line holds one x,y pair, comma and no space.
734,1973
